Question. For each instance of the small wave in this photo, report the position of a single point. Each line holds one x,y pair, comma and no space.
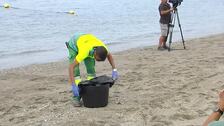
113,43
25,53
2,51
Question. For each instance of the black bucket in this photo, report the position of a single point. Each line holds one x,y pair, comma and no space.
95,92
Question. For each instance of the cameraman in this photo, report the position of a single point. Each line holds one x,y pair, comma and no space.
165,18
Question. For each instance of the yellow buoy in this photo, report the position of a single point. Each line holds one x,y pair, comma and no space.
71,12
6,5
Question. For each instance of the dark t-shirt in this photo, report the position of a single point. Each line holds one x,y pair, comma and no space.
166,18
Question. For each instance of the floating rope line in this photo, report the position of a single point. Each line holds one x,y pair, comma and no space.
7,6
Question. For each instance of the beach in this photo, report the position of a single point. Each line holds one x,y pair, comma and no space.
155,88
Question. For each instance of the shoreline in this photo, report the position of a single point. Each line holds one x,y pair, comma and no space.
116,52
154,88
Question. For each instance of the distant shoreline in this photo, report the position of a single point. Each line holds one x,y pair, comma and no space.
64,59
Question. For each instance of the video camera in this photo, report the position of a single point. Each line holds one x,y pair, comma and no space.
175,2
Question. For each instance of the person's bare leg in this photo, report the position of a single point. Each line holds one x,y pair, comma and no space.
161,41
164,41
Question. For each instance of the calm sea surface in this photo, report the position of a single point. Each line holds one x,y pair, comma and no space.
34,31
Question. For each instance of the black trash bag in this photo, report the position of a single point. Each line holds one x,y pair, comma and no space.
101,80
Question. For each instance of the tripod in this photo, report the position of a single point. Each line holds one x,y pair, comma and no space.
171,26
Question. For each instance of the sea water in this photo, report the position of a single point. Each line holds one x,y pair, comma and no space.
34,31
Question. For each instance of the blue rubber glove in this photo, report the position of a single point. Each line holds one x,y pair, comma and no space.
114,74
75,90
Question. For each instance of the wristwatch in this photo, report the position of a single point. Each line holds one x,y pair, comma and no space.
219,111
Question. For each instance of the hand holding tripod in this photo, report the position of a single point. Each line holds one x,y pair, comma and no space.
171,27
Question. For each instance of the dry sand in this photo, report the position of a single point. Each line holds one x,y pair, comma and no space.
155,88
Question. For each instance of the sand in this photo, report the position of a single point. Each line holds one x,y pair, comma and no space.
155,88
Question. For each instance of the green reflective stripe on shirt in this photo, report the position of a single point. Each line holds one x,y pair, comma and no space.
91,53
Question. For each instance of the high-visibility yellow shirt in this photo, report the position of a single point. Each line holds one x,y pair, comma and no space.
86,44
